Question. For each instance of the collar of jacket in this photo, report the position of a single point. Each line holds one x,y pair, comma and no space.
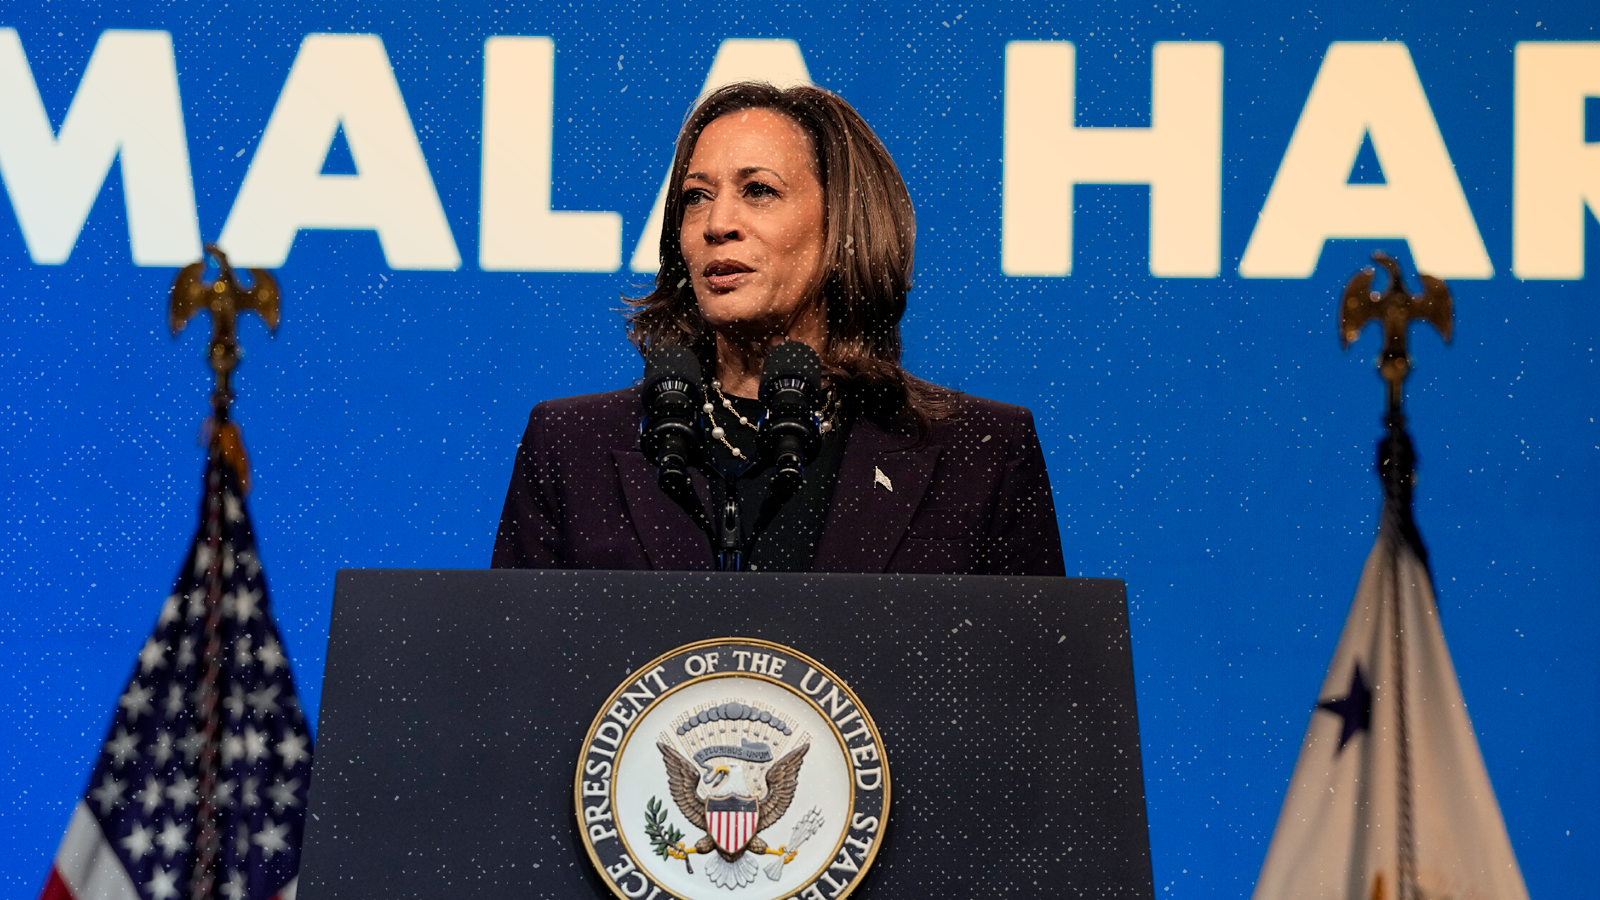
866,518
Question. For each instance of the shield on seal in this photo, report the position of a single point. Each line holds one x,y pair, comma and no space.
731,821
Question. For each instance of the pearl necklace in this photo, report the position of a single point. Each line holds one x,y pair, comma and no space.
829,414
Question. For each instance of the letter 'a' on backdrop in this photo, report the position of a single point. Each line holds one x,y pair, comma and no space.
340,81
1366,89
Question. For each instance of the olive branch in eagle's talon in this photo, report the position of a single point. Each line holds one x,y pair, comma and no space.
665,839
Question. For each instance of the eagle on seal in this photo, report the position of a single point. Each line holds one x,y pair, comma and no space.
729,798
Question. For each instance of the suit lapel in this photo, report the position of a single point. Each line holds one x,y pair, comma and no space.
671,539
869,515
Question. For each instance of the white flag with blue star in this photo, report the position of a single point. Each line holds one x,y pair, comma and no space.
1390,799
199,791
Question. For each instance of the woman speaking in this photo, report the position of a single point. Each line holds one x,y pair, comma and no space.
786,222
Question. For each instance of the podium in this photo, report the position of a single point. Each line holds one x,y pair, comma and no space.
455,704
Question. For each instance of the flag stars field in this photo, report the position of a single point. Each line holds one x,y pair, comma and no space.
255,744
243,607
163,748
163,885
150,796
139,842
182,793
108,794
271,656
264,702
152,656
171,839
284,795
197,605
174,704
123,747
271,839
137,701
293,749
222,797
235,702
190,746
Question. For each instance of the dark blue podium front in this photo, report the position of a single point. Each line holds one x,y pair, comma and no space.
455,704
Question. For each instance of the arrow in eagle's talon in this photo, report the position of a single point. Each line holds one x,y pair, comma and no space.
806,827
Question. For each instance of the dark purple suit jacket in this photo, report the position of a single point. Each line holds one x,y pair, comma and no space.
975,499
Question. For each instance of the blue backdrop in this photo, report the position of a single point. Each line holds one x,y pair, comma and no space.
1207,440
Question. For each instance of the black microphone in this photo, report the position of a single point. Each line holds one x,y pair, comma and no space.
791,381
672,396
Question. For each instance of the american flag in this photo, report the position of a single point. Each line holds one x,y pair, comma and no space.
200,789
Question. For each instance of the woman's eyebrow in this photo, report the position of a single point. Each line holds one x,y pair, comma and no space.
747,171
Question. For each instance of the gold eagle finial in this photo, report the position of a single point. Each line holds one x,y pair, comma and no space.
225,298
1395,308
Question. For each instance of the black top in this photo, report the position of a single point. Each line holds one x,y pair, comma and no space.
970,497
781,532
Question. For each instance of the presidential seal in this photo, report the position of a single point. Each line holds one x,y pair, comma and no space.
736,769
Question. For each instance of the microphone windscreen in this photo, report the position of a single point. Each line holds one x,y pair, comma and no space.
790,360
675,362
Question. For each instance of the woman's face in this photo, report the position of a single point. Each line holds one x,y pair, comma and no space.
752,223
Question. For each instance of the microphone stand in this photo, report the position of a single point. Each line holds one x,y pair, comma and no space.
730,530
728,538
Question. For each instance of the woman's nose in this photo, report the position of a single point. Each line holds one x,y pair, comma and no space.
722,220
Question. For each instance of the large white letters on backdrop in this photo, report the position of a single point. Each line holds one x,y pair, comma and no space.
1046,154
1366,89
517,229
127,104
1557,172
127,107
340,80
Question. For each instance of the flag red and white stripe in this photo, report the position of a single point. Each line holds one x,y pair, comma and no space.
87,869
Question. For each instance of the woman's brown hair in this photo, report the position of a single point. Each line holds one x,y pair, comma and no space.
869,234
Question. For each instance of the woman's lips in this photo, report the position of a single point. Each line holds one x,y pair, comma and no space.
725,275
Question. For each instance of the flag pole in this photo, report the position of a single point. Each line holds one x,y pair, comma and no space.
1396,308
224,298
